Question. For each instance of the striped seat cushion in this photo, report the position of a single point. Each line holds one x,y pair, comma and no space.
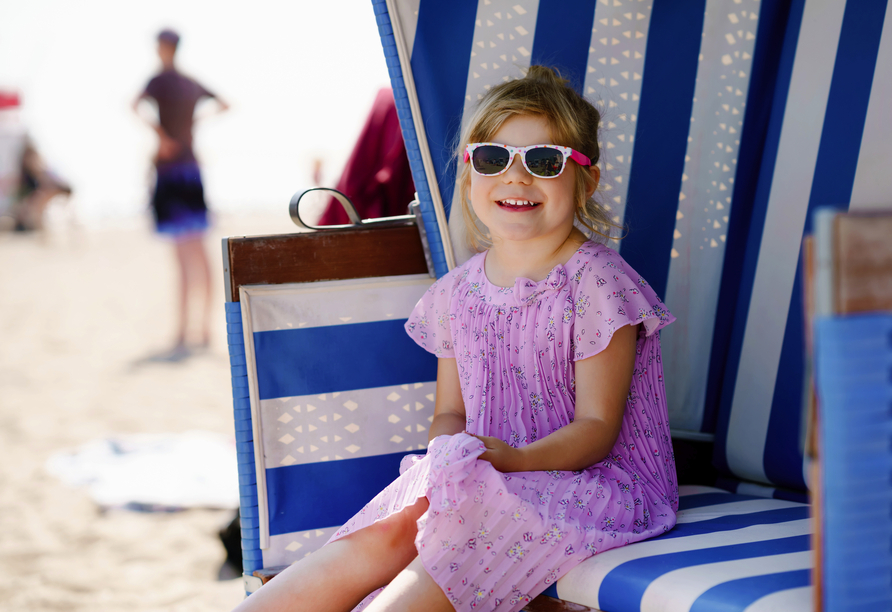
727,552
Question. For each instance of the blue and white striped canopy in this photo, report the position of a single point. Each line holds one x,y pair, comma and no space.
725,123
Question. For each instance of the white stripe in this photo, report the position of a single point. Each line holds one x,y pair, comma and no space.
873,181
704,206
784,223
582,583
346,424
361,300
287,548
254,400
705,513
501,50
791,600
614,77
749,488
697,489
677,591
407,16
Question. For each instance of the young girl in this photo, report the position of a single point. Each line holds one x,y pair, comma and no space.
550,441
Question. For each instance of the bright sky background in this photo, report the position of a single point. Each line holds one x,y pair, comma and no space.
300,77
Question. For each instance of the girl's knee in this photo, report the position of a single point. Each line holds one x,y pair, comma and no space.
398,530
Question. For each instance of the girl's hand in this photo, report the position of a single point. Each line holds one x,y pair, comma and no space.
502,457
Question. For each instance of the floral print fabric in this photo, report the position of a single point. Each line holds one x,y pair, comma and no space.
493,541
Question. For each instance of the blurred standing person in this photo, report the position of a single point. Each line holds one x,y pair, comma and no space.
178,202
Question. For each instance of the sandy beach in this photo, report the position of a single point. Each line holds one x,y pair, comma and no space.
81,310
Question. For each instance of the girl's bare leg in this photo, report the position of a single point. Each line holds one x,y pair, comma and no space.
413,590
338,576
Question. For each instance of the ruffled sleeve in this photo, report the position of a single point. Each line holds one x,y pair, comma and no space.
608,294
430,322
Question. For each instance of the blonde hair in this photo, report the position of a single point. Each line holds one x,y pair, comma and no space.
573,123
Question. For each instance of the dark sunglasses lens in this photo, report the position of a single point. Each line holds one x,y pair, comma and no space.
545,161
490,159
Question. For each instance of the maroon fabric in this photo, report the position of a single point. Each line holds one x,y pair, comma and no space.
176,96
376,178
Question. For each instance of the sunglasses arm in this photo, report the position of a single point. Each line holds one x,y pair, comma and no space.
580,159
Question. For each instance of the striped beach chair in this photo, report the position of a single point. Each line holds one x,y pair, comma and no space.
726,122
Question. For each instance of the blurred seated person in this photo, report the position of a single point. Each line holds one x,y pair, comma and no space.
376,178
37,186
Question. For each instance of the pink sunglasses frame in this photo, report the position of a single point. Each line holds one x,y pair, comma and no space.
576,156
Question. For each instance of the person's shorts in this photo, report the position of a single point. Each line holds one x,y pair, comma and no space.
178,202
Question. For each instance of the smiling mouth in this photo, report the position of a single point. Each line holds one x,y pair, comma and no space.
511,204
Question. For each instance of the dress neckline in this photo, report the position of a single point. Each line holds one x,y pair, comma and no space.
526,290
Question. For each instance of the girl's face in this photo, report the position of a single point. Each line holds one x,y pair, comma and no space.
517,206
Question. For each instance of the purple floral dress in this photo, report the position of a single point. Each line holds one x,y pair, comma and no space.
493,541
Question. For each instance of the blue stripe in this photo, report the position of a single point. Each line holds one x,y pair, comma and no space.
327,494
444,36
731,484
835,167
847,101
407,126
782,458
754,233
689,502
624,586
767,57
731,522
316,360
563,36
661,137
737,595
800,497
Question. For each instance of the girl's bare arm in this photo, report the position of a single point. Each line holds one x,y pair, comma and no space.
602,388
449,410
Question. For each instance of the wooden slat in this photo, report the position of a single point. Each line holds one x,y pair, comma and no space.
329,255
539,604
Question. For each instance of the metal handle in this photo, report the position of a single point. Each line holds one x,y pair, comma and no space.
355,221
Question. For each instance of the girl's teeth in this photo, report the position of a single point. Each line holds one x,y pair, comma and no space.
518,203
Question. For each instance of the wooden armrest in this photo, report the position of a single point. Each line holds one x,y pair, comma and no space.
268,573
329,255
540,604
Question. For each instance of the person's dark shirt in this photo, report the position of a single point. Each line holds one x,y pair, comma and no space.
176,96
